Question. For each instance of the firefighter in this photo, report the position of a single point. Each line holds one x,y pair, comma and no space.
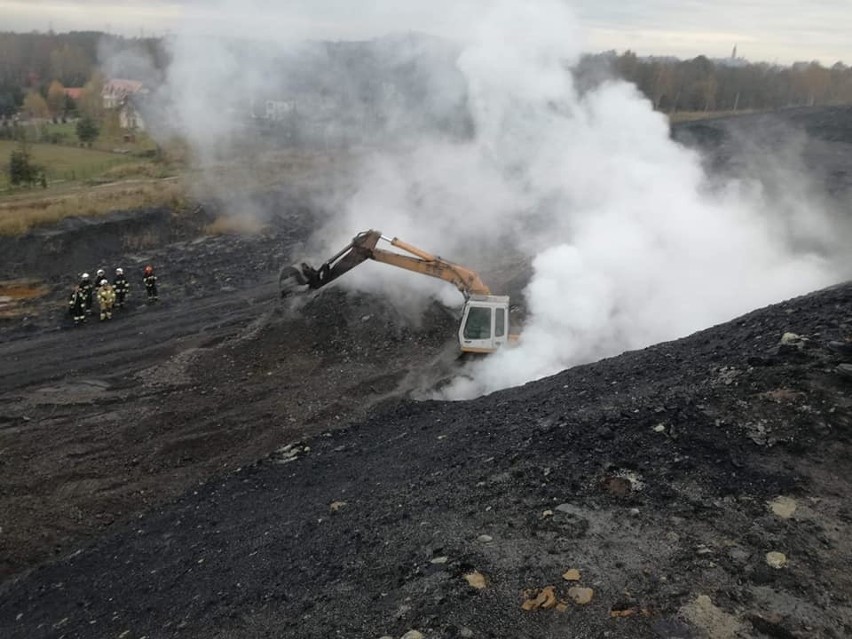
121,286
106,299
88,289
77,305
150,283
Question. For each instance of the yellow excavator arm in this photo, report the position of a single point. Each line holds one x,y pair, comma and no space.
484,325
363,247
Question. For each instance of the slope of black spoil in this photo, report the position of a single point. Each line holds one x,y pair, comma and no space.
650,473
806,147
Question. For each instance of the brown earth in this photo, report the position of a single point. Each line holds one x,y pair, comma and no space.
217,465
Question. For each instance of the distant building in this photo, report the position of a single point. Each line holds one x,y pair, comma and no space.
733,61
129,116
124,97
278,110
75,93
116,91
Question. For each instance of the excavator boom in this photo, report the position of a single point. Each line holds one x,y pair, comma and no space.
363,247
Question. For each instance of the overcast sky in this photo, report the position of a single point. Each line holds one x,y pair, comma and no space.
782,31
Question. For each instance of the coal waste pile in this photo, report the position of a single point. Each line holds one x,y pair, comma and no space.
696,488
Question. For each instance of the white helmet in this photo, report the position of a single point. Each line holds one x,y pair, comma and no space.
119,271
104,282
84,276
101,272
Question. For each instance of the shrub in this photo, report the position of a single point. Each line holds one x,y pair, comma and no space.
87,130
23,171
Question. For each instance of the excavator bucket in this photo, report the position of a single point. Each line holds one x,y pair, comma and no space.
291,281
300,278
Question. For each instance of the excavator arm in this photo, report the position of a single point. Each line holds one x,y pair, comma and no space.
363,247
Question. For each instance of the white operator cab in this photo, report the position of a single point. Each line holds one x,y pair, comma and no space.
485,323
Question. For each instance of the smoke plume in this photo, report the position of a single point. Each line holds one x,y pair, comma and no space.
486,152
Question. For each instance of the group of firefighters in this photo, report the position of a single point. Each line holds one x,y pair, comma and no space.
110,295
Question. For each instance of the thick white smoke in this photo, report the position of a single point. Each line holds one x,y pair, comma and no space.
630,247
629,243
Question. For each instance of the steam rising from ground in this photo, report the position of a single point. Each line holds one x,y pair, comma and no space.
629,244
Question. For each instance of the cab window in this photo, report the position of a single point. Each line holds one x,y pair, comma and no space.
500,322
478,324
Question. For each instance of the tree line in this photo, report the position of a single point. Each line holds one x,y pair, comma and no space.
701,84
36,67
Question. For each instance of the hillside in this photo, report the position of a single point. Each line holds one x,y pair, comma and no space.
665,476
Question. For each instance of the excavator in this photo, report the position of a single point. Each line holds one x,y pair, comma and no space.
485,318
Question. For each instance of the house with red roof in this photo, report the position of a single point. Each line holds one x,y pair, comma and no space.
75,93
124,96
116,91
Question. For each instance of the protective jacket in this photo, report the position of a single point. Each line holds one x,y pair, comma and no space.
151,286
77,305
122,288
87,289
106,295
106,300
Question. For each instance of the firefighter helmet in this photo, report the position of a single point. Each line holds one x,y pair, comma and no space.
101,273
119,271
84,276
104,282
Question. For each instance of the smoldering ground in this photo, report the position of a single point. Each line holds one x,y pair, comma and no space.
485,146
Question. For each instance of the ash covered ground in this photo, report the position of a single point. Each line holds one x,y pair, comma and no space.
217,466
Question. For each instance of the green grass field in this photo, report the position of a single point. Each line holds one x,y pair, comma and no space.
108,182
65,133
62,163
